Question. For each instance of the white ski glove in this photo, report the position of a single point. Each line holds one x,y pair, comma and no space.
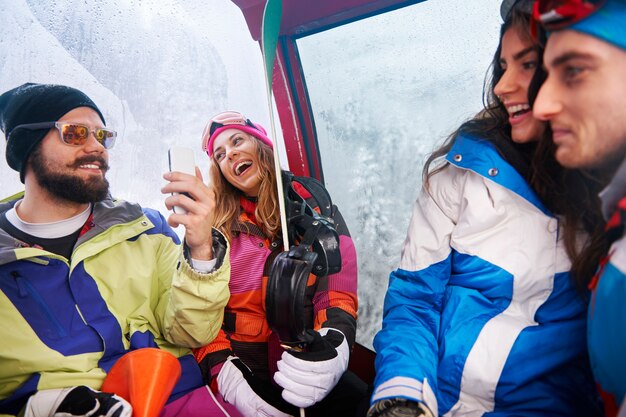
76,401
307,377
239,387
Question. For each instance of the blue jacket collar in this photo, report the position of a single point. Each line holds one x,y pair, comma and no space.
481,157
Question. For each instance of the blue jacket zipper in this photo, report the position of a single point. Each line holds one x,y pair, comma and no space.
26,289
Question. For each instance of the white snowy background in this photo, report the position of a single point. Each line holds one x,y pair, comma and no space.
384,92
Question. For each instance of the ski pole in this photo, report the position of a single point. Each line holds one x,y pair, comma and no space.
270,29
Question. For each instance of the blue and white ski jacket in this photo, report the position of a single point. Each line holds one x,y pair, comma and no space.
481,318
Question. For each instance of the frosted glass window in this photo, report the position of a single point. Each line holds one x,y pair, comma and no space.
384,92
158,70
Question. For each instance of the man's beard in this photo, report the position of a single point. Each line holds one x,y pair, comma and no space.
70,187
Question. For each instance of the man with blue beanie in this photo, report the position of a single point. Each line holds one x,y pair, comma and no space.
584,99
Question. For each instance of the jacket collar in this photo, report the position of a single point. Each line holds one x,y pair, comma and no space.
482,157
106,214
614,192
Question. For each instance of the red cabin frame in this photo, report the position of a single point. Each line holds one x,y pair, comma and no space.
302,18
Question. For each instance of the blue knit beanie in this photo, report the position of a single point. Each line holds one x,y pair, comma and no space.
607,24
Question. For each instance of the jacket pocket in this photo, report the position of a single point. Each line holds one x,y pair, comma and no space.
243,324
45,323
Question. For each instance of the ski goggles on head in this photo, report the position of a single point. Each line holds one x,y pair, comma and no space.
557,14
74,134
231,120
226,118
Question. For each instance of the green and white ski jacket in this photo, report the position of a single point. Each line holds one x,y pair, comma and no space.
127,286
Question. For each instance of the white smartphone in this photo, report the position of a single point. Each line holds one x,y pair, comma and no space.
181,159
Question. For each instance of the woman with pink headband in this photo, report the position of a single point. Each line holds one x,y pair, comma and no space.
246,364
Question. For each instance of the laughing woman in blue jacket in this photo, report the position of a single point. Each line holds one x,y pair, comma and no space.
483,316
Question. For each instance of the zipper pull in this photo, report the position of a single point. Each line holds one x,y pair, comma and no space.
20,284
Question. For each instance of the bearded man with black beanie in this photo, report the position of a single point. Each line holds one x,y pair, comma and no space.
86,278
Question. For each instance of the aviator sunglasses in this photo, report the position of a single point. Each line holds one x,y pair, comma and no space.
74,134
557,14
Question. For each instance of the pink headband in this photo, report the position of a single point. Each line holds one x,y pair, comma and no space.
256,130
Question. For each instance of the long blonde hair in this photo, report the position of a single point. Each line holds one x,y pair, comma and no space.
227,208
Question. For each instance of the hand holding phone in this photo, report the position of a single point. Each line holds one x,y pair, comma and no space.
198,217
181,159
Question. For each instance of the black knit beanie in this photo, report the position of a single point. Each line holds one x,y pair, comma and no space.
35,103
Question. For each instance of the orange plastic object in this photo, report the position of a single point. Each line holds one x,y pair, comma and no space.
145,378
